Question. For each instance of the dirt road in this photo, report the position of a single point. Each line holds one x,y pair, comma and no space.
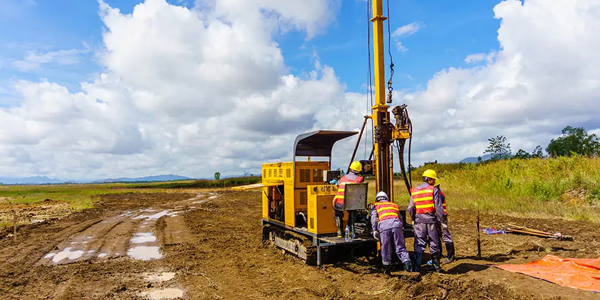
206,245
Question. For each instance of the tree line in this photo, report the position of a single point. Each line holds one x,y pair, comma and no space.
573,141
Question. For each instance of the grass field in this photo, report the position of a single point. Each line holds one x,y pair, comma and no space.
564,187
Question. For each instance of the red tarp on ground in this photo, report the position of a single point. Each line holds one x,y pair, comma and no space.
576,273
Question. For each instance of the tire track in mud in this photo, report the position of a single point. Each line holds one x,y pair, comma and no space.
31,269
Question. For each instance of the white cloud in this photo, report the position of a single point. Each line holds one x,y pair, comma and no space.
33,59
546,76
400,47
186,91
480,57
403,32
407,30
195,91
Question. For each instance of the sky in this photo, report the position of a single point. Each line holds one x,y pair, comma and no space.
129,88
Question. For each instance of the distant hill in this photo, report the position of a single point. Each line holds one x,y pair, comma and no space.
169,177
47,180
472,160
30,180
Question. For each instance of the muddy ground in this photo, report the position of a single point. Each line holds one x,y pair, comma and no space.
206,244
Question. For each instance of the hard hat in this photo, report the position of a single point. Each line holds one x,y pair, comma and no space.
381,195
430,174
356,166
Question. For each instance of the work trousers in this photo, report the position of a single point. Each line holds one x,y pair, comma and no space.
393,237
423,232
446,236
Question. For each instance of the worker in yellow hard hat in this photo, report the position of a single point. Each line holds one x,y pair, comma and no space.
338,201
427,210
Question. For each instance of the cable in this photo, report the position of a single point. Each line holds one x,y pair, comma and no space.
390,81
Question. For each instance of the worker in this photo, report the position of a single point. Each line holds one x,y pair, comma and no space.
426,209
338,201
445,232
387,227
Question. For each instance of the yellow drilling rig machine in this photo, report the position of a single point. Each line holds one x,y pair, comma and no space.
297,210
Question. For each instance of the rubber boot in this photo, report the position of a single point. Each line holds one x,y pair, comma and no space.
408,266
387,270
449,253
436,262
418,257
340,226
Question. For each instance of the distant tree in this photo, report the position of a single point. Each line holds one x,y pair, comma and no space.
479,159
537,152
217,176
498,148
574,140
522,154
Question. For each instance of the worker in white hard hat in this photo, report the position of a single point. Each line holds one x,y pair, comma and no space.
338,201
387,227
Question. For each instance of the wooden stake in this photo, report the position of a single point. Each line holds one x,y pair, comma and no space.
478,238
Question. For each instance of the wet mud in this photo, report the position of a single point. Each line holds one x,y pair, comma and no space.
206,244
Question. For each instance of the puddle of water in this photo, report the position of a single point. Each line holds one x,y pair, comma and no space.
101,255
170,293
155,216
212,197
37,221
144,252
49,255
199,202
165,276
143,237
91,251
67,253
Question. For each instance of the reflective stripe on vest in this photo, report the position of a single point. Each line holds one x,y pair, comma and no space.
339,196
423,199
387,210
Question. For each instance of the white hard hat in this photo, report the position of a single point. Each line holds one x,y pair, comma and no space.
381,195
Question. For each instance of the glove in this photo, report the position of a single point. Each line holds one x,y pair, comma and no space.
444,225
333,181
376,235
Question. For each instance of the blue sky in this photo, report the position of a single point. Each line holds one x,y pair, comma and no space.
87,91
449,32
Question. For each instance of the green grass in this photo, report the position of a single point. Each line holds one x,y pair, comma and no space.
564,187
83,196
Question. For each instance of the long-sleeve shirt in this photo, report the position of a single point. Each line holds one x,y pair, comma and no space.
385,224
436,216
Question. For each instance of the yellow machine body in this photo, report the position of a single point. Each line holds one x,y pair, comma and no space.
301,191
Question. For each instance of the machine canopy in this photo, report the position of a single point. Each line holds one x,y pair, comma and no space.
318,143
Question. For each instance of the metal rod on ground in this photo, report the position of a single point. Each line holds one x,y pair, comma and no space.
478,238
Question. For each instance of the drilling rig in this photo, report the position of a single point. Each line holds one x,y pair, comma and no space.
297,211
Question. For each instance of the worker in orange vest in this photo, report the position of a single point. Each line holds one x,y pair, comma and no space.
387,227
338,201
426,209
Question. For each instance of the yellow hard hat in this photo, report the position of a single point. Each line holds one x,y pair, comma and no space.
356,166
430,174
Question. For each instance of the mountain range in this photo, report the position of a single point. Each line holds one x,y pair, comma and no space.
48,180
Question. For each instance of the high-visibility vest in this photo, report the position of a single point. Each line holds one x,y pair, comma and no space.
423,199
339,196
386,210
